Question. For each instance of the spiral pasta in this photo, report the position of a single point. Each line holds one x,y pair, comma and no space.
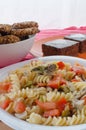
35,118
15,82
27,93
82,111
79,85
47,93
54,96
74,120
41,79
34,63
60,121
68,75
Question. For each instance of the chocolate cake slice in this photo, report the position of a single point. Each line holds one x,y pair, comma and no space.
81,38
60,47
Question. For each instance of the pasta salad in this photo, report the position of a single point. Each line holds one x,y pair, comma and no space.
46,93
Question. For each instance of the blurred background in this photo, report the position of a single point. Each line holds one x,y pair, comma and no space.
50,14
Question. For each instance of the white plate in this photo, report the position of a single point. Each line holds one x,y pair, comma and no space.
18,124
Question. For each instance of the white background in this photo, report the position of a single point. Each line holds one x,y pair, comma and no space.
50,14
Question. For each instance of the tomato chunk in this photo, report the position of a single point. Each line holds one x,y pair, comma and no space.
53,84
75,80
46,105
61,104
78,69
5,87
5,103
19,107
54,112
56,82
61,65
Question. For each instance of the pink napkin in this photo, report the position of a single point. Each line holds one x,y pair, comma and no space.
60,32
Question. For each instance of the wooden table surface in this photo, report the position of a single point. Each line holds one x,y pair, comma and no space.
37,50
4,127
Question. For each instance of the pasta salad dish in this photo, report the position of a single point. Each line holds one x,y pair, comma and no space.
49,93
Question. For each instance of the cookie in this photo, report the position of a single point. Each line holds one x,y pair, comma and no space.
5,29
9,39
23,25
24,32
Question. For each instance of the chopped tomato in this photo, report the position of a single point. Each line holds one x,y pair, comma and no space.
61,104
56,82
5,103
54,112
71,69
78,69
61,65
5,87
75,80
53,84
46,105
19,107
62,81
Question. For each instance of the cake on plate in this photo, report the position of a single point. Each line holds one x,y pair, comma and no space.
81,38
60,47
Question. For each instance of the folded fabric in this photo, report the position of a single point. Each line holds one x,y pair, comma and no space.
29,56
60,32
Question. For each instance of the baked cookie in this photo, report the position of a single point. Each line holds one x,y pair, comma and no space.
5,29
24,32
24,37
23,25
9,39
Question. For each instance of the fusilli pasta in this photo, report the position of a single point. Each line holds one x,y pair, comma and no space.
47,93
